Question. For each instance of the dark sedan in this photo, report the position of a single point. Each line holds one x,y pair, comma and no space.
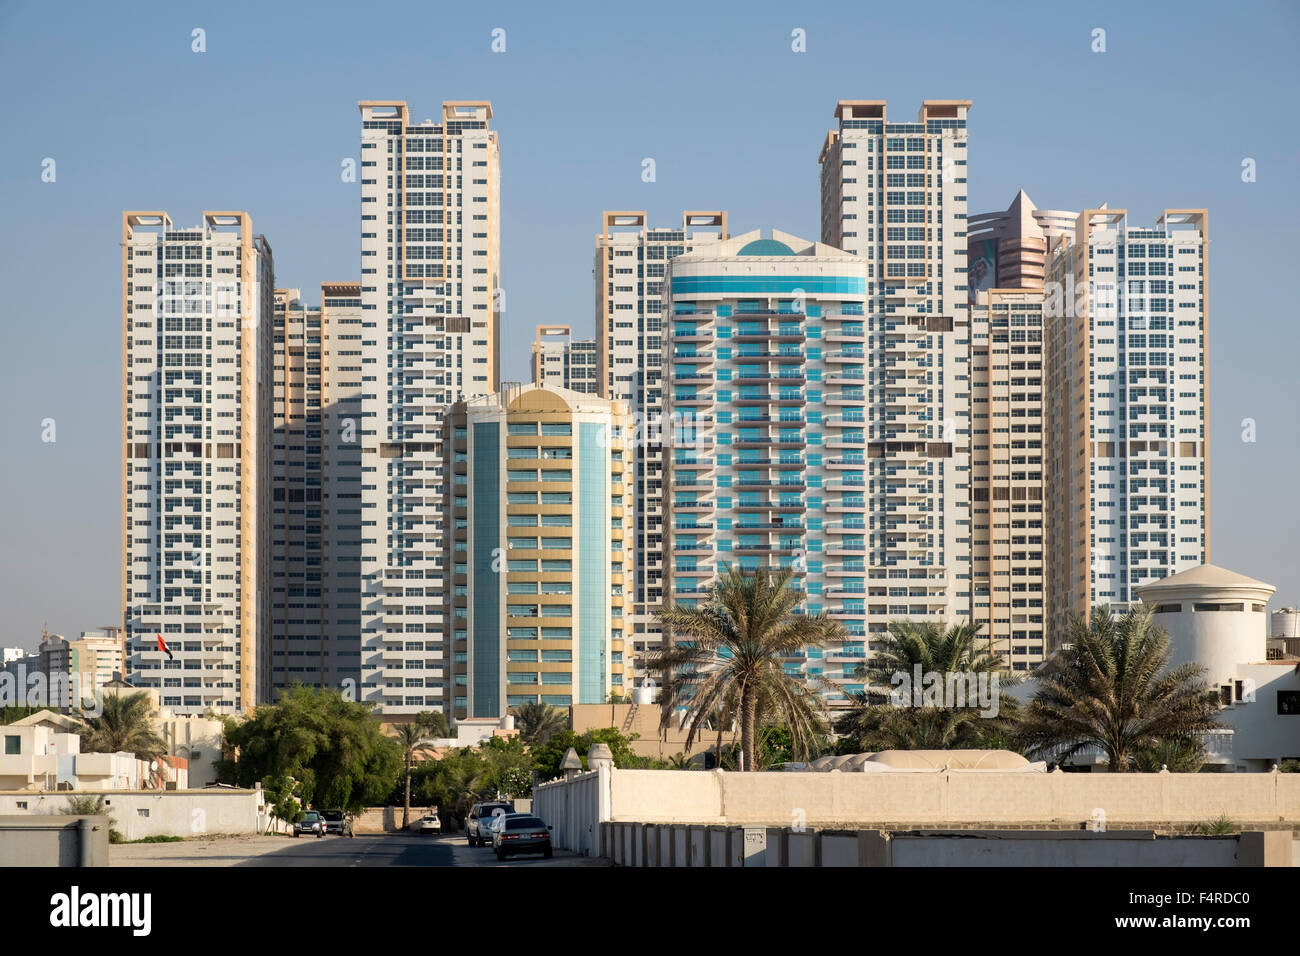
518,833
311,823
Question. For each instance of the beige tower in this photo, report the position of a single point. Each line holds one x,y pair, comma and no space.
539,507
1007,473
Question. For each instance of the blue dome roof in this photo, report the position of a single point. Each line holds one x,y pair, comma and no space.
766,247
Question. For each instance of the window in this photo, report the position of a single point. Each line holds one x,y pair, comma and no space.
1288,703
13,744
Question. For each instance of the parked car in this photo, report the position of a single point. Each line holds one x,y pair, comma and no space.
428,824
479,815
520,833
311,823
336,821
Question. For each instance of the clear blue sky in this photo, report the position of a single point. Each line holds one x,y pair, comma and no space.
733,118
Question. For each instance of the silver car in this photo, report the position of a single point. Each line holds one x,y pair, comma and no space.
479,816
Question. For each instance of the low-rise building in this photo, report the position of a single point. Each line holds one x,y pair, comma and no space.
37,757
1219,619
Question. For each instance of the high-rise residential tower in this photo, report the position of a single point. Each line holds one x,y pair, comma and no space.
316,490
431,302
894,194
539,513
196,473
1007,473
1005,256
769,457
559,361
1127,473
631,263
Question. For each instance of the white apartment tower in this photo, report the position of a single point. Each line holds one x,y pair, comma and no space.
560,362
894,194
197,383
1127,473
431,304
631,262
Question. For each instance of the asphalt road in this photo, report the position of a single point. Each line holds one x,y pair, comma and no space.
393,849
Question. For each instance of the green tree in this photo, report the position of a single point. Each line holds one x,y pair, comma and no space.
280,796
124,725
16,712
91,806
885,716
455,782
334,748
537,722
1185,755
508,767
415,740
729,652
546,758
1110,689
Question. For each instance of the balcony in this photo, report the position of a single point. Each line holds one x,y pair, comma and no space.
845,356
765,549
696,398
772,375
693,377
748,333
781,397
843,398
767,441
788,460
845,550
745,484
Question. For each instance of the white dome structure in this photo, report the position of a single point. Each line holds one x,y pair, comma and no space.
1215,617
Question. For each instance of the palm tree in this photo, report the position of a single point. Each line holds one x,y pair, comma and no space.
885,717
738,638
538,722
1178,755
414,740
124,724
1109,689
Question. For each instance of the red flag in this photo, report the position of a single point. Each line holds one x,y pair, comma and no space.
162,646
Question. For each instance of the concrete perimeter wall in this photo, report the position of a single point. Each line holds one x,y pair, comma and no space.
683,845
950,798
142,813
575,808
